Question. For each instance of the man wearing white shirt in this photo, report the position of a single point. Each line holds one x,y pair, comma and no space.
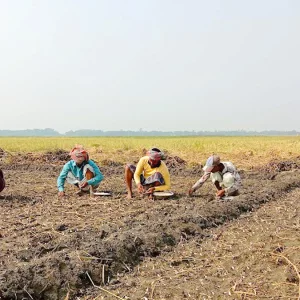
223,174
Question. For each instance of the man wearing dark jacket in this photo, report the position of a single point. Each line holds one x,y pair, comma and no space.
2,181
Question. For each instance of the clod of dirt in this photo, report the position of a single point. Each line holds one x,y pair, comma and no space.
111,163
279,249
291,275
62,227
2,153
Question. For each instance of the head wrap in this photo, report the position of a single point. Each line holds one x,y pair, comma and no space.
78,152
212,161
155,154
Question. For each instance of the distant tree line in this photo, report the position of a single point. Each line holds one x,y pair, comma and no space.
48,132
30,132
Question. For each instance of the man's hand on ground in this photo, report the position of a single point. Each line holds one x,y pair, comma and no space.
150,190
220,193
191,191
140,188
83,184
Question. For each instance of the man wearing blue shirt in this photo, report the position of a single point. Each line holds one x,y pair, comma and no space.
79,171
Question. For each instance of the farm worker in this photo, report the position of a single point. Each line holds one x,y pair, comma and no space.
151,174
223,174
2,181
79,171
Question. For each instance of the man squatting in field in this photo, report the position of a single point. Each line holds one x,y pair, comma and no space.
79,171
151,174
223,174
2,181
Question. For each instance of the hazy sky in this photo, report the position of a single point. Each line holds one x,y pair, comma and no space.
150,64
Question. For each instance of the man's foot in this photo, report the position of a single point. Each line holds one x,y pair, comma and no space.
79,193
129,196
150,197
94,190
190,192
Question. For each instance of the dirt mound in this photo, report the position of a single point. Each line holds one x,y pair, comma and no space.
32,167
53,160
175,164
280,166
51,157
55,156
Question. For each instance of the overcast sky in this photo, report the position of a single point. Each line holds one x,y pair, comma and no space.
150,64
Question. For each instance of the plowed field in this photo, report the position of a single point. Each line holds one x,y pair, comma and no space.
181,248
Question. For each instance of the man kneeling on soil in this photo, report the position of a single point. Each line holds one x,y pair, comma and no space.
2,181
79,171
151,174
223,174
